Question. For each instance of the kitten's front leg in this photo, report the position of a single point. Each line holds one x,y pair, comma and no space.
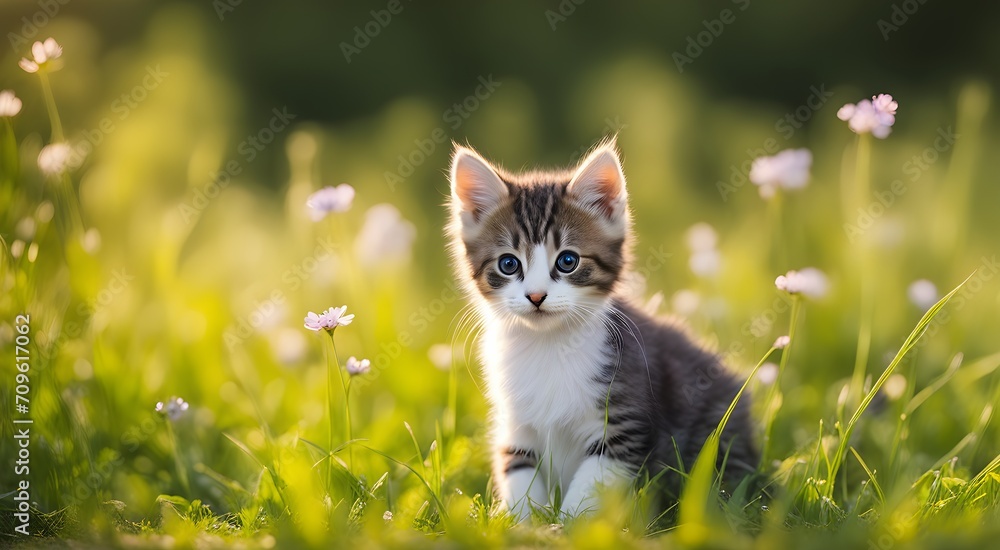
516,469
596,470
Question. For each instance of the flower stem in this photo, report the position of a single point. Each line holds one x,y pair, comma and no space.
66,194
332,365
50,105
451,421
771,409
178,463
778,237
867,308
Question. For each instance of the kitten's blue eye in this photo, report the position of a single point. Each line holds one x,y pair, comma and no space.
567,261
508,264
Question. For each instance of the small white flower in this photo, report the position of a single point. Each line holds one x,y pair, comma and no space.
25,229
809,282
173,409
782,342
91,241
329,319
440,356
355,367
10,105
685,302
895,386
875,116
922,293
705,263
330,200
387,516
17,248
288,345
55,158
701,236
789,169
767,373
885,104
385,237
44,55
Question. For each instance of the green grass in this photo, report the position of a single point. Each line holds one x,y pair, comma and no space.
209,309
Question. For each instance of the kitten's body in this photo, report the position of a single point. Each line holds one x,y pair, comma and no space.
586,389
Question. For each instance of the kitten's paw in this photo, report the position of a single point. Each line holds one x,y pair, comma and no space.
579,503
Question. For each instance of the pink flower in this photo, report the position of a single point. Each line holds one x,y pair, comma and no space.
922,294
355,367
809,282
329,319
782,342
330,200
44,55
789,169
173,409
10,105
875,116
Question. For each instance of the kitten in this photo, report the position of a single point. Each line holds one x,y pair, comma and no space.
586,389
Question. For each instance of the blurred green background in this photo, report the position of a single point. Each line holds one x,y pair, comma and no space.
211,122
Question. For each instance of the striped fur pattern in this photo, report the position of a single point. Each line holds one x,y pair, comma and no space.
586,389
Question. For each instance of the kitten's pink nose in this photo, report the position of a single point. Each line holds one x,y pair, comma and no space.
536,298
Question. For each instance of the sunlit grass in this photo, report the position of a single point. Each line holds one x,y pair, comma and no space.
282,447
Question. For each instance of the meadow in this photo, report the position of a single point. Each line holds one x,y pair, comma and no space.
159,264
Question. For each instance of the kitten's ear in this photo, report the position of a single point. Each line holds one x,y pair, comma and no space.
599,183
475,186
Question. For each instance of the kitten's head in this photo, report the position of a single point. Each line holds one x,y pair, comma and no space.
541,248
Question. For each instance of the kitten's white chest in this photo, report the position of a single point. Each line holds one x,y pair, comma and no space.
548,379
548,382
